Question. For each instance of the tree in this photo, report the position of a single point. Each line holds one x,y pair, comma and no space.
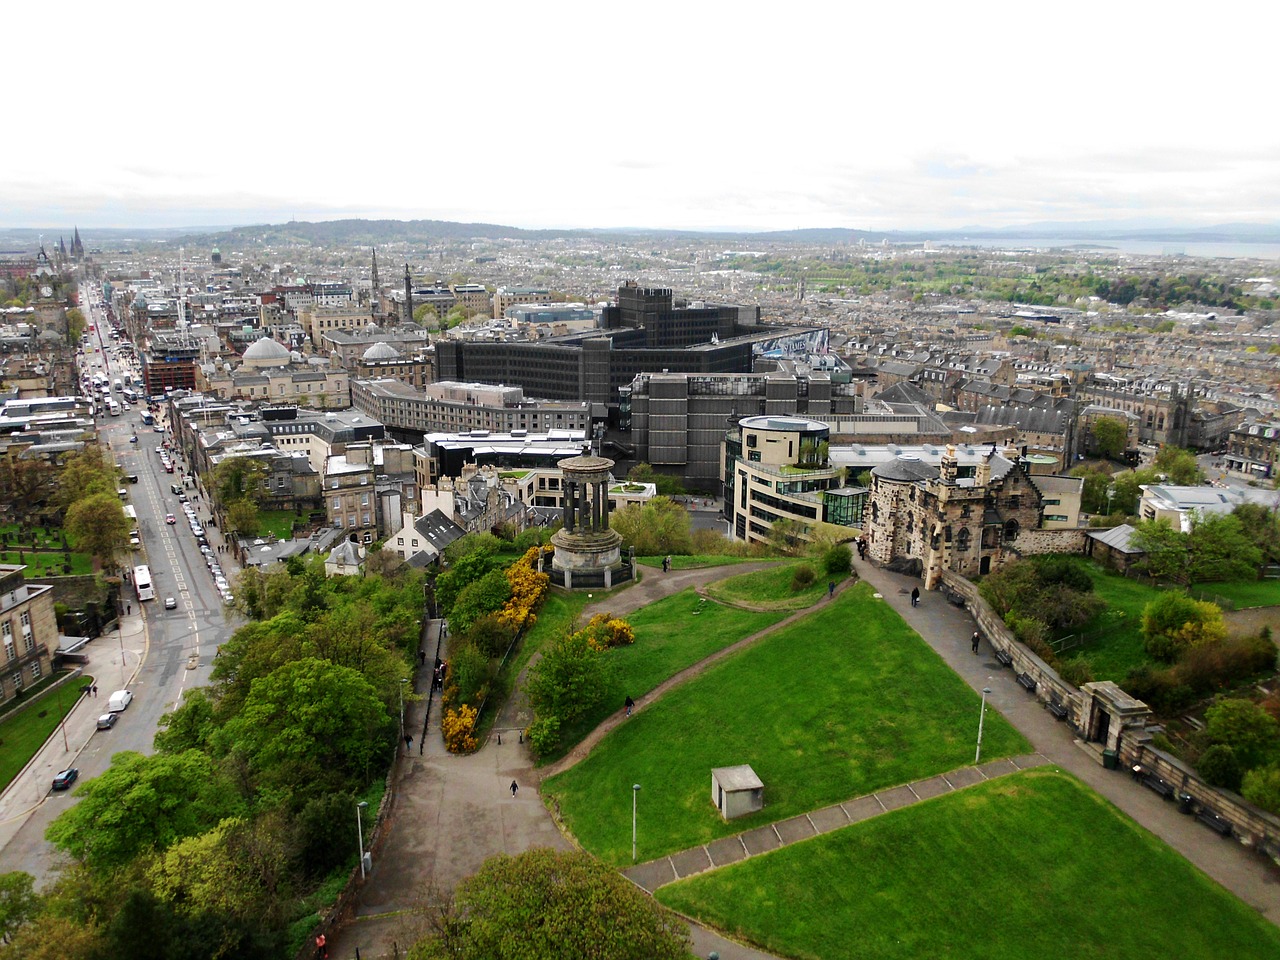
309,719
1164,550
1173,623
1251,732
97,525
84,474
668,485
142,804
190,726
1093,495
75,325
568,681
242,516
1219,548
24,485
424,314
1262,524
547,904
1110,437
660,526
1179,466
239,478
480,597
18,902
1262,788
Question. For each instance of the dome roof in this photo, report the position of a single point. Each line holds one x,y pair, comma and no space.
381,351
267,349
371,327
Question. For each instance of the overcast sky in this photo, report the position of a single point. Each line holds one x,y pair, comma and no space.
918,115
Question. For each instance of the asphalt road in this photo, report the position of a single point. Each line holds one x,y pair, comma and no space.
156,653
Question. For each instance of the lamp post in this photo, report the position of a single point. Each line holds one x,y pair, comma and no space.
65,743
977,755
360,808
635,792
1111,492
403,681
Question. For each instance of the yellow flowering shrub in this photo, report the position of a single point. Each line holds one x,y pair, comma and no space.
458,728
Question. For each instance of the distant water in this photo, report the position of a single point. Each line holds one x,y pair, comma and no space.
1143,248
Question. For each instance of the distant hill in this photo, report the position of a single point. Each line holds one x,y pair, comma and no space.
354,232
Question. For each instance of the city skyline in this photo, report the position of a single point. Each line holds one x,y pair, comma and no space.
660,117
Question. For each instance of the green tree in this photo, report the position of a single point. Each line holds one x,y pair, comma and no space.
97,525
1262,524
424,314
1173,623
19,902
567,906
1110,437
142,804
1219,548
660,526
242,517
1164,550
668,485
239,478
1251,732
568,680
309,718
1262,788
25,485
85,474
75,325
1179,466
480,597
188,727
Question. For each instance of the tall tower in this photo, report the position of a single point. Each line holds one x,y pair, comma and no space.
408,296
77,248
375,301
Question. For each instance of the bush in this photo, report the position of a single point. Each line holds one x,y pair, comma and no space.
458,728
478,598
1214,666
1262,788
803,577
1220,768
1064,569
323,833
490,635
1076,671
1250,731
469,672
838,561
1174,623
533,537
544,736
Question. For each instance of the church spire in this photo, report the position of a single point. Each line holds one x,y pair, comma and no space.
408,295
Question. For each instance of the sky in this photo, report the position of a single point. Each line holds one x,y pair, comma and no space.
692,115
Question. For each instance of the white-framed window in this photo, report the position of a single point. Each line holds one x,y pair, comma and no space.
35,670
17,680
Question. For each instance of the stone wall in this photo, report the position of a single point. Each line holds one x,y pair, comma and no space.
1068,540
1049,686
1252,827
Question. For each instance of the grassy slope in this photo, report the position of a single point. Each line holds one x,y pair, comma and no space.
842,702
1032,865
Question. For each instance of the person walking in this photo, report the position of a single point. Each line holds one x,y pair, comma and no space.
408,743
974,641
831,589
515,788
629,703
915,596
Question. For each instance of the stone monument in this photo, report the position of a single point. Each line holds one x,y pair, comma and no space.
588,553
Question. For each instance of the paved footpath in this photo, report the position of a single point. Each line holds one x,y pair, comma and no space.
454,812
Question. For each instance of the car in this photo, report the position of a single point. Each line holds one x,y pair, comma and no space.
168,468
182,497
120,700
64,779
170,518
107,721
133,439
170,603
198,531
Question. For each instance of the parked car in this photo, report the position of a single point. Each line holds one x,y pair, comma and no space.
107,721
120,700
64,779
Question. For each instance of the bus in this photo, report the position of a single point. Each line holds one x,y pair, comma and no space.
142,583
147,419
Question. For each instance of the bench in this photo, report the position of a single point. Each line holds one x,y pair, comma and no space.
1004,658
1028,681
1058,709
1160,786
1214,822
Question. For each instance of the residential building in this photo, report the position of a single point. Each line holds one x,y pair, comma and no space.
28,631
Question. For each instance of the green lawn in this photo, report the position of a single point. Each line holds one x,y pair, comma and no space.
279,522
1242,595
842,702
1030,865
49,564
697,561
771,589
671,634
22,734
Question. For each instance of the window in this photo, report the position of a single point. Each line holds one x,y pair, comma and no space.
17,680
7,631
399,541
35,670
962,540
1011,531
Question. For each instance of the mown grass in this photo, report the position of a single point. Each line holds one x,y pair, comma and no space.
23,733
772,589
696,561
1243,594
279,522
671,634
844,701
1030,865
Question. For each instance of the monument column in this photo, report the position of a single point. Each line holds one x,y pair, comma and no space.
587,552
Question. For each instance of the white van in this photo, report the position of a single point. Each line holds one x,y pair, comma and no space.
119,701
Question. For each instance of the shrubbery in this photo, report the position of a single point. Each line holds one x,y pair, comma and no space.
803,577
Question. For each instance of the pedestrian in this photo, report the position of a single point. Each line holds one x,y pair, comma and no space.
128,609
95,689
408,742
422,657
322,948
974,641
831,589
629,703
515,788
915,596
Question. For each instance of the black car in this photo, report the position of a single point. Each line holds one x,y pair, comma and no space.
65,779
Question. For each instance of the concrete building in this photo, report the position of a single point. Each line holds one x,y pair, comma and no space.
452,407
270,373
319,320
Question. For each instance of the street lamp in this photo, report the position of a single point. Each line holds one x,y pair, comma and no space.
977,755
1111,492
403,681
635,792
360,808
